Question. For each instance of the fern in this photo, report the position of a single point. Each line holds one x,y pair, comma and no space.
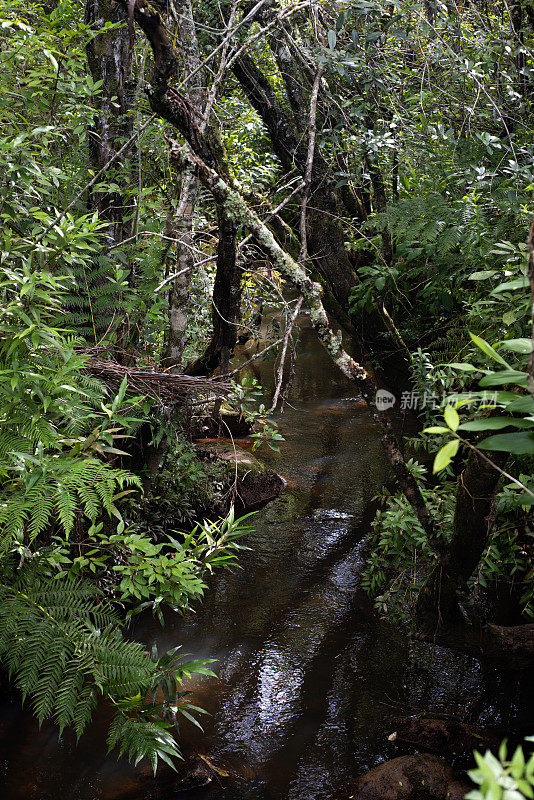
136,739
449,344
54,492
61,644
94,304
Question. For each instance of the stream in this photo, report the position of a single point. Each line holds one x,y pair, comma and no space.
310,678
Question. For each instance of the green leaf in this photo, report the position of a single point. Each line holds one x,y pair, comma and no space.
464,366
503,377
495,423
436,429
523,346
445,455
509,317
522,405
509,286
451,417
518,443
517,765
488,349
191,718
482,275
525,788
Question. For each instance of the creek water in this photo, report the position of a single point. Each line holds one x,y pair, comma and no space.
310,678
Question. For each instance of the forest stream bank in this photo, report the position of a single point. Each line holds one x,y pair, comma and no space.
314,688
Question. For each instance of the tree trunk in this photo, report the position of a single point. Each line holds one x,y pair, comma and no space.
530,243
167,101
438,601
325,235
180,228
226,302
109,61
381,205
180,225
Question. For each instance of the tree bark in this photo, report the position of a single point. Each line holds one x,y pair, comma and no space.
180,225
109,57
109,61
381,205
180,228
326,237
226,301
530,380
438,601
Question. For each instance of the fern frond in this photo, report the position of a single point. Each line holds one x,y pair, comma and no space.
60,642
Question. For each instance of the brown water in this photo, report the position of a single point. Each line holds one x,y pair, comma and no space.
310,678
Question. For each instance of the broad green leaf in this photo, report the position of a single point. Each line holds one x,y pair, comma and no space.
436,429
482,275
451,417
495,423
523,404
445,455
518,443
509,317
464,366
488,398
509,286
517,763
488,349
518,345
503,377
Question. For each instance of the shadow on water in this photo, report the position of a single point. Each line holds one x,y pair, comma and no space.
310,678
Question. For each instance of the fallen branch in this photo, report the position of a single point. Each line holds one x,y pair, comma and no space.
165,387
280,372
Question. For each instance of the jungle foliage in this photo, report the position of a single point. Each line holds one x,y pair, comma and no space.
165,179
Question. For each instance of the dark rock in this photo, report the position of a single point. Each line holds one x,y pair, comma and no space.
191,774
255,485
256,489
512,644
234,424
516,641
444,735
418,777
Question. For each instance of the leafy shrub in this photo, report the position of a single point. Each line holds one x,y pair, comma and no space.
502,778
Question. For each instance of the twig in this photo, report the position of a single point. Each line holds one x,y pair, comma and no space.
171,278
309,167
280,374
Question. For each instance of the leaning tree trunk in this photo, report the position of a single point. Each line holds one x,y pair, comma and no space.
172,106
327,253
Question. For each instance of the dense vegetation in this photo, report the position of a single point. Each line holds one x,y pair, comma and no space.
170,172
